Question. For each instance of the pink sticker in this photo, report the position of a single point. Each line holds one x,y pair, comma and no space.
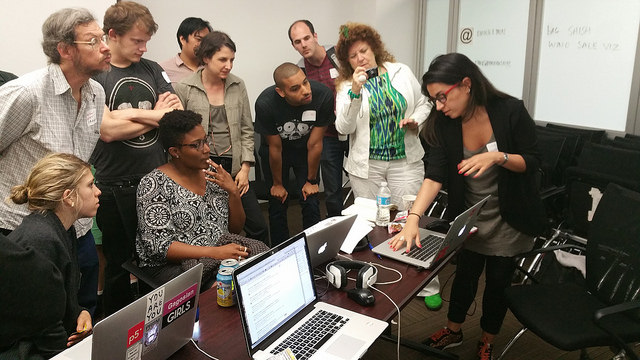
180,299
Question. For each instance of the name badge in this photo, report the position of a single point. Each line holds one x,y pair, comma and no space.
166,77
492,146
91,118
333,72
309,115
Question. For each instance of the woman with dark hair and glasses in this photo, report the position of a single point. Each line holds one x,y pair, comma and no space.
188,207
483,142
221,99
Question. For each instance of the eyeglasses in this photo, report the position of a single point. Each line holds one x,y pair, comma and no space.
198,144
94,41
442,97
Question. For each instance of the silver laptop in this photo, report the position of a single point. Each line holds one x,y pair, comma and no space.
326,237
277,301
435,247
154,326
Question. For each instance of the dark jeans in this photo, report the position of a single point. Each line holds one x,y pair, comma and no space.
118,221
499,270
254,225
331,165
295,159
89,267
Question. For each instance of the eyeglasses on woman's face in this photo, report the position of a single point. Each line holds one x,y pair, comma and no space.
442,97
197,144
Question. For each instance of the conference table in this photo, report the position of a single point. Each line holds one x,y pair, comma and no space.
220,330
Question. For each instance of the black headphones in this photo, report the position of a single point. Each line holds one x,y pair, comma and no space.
337,273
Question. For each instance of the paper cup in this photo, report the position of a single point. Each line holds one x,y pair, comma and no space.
407,201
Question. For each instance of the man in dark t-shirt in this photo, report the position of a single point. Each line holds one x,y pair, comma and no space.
292,116
321,64
138,94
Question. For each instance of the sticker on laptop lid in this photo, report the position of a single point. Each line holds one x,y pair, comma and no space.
179,305
134,352
155,302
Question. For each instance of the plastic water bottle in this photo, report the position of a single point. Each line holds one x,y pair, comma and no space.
384,205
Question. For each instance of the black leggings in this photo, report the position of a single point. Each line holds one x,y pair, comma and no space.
499,270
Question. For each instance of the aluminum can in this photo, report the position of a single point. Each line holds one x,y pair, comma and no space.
225,287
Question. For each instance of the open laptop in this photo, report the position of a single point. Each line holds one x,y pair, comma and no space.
435,247
154,326
326,237
276,297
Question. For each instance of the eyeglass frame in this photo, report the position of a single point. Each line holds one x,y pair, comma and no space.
94,41
197,144
442,97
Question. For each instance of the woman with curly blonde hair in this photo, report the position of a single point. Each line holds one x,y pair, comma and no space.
380,106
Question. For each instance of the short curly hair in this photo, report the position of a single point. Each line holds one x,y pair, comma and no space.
174,125
351,33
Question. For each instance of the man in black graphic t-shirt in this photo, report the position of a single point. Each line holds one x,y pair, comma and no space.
292,116
138,94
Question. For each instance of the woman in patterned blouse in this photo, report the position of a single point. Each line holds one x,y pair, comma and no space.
188,207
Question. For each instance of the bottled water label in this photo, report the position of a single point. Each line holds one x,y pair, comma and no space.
384,200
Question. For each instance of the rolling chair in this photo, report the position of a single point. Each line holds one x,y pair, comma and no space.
605,311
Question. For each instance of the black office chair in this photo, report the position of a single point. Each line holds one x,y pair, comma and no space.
606,310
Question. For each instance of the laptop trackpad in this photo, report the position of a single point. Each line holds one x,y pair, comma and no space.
345,347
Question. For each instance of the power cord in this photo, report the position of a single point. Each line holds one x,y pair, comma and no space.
398,310
202,351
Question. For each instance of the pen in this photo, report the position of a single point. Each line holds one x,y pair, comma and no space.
371,248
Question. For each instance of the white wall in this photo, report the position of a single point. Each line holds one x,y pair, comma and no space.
259,29
21,29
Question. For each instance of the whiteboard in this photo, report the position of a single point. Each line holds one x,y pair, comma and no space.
494,35
587,54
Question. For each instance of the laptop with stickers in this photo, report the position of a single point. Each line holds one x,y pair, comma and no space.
153,327
278,303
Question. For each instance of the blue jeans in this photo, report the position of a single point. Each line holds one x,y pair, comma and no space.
295,159
498,272
331,166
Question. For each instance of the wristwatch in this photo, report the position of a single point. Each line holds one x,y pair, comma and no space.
312,182
506,158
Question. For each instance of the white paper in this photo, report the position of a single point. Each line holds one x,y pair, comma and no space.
364,208
360,229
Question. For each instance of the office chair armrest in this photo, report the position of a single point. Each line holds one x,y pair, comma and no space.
131,266
616,309
551,248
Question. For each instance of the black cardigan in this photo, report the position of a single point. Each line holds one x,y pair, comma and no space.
514,131
46,234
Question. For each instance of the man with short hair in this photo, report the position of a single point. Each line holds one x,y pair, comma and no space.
292,116
138,94
190,33
56,109
320,64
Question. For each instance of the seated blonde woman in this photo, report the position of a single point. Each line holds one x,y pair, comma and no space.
58,191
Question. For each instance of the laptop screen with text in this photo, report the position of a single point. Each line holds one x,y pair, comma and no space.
275,287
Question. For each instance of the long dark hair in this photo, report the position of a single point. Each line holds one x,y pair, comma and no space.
451,69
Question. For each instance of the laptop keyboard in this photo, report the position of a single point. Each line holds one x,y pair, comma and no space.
311,335
430,246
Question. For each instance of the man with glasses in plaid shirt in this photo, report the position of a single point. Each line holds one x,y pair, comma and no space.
56,109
